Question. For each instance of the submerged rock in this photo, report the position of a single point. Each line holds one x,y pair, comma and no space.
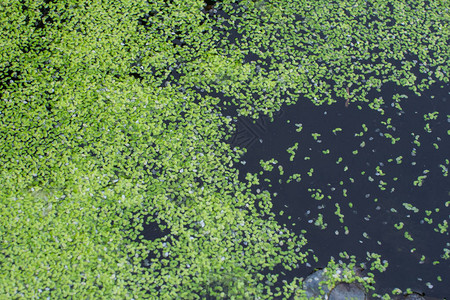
347,291
315,287
312,285
414,297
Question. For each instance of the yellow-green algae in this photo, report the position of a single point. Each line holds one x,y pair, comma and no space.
98,134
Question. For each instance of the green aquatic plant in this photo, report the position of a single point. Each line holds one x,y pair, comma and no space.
297,177
268,165
113,122
338,213
291,151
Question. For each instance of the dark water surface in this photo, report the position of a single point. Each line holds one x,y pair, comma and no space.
371,200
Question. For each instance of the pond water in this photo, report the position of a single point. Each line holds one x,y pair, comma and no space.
360,181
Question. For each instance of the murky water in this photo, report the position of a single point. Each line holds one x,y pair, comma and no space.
377,182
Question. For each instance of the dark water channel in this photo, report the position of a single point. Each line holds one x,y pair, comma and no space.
376,184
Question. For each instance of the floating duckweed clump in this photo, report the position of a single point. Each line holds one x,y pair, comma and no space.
118,182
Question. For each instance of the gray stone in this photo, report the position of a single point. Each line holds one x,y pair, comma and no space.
342,291
347,291
414,297
312,287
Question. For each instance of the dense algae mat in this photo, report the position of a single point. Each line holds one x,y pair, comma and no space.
116,180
